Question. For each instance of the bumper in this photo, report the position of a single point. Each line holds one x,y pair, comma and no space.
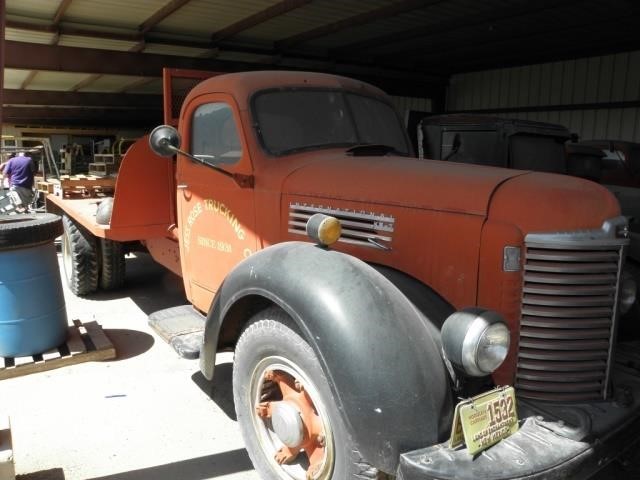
554,441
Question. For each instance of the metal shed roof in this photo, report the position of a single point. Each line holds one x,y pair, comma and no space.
408,47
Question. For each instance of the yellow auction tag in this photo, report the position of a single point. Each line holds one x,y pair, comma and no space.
484,420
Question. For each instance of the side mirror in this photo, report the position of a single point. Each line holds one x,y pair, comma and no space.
164,141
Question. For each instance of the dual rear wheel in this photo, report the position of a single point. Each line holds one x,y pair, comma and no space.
90,262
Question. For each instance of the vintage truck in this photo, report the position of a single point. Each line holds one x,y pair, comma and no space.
368,294
544,147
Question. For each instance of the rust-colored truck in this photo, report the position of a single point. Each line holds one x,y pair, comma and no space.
368,294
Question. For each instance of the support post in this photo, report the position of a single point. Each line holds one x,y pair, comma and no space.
3,6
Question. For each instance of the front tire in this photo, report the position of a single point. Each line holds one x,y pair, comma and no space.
289,419
80,258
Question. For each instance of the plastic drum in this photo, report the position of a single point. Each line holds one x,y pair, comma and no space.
33,317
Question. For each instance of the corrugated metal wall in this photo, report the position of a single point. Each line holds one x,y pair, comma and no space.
406,104
597,97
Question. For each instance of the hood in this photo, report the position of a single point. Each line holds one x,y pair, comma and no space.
546,202
401,181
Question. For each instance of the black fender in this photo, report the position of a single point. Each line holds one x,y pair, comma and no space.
380,354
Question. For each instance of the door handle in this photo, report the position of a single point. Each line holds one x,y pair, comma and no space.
182,186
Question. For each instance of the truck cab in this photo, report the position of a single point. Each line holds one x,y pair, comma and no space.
425,282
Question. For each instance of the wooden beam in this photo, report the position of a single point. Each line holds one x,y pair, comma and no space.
161,14
32,56
354,21
77,31
90,117
265,15
62,8
25,83
137,83
300,61
81,99
85,82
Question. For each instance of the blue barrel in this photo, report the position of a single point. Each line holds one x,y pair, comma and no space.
33,317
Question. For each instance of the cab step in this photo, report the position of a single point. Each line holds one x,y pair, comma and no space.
181,327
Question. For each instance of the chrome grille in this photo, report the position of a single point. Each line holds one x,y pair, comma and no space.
358,228
568,320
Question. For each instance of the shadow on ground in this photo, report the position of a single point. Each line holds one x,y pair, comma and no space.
51,474
128,343
210,466
220,390
151,286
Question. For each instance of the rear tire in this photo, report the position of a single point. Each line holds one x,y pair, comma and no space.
113,266
271,343
80,258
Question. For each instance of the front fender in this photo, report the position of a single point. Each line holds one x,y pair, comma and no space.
379,353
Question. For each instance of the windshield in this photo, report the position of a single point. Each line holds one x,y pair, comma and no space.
291,120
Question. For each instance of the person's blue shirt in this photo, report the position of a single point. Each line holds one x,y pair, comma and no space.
20,170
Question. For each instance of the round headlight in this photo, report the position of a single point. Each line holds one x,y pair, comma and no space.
475,340
628,292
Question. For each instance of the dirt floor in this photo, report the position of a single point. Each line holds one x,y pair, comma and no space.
147,415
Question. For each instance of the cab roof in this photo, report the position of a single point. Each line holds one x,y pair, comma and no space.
243,85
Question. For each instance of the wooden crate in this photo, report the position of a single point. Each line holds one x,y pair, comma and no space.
100,169
86,342
45,187
104,158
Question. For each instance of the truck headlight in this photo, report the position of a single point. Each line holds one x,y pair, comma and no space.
628,292
475,340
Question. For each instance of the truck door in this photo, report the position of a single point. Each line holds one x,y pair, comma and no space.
216,214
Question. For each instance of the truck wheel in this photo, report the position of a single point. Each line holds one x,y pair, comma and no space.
290,423
113,265
80,258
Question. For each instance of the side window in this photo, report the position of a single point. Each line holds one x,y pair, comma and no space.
214,135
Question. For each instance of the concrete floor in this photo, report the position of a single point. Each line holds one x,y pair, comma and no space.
147,415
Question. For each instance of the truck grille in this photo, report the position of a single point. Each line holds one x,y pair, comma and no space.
358,228
569,311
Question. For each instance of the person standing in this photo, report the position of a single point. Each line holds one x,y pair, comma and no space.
20,171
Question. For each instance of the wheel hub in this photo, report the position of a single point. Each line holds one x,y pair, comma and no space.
287,423
295,421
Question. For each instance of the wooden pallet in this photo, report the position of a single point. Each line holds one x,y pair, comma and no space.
84,186
86,342
83,192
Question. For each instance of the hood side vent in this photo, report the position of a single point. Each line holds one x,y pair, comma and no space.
358,228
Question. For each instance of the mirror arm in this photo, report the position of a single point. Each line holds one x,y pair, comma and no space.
244,181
